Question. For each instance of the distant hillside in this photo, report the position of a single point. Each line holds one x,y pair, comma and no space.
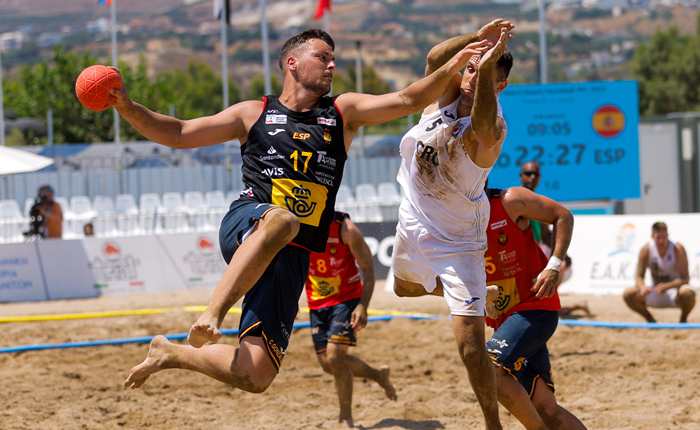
396,35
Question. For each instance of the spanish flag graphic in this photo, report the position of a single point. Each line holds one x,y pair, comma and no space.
608,121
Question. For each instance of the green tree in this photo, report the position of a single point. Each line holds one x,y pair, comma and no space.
194,92
257,87
666,70
372,83
44,87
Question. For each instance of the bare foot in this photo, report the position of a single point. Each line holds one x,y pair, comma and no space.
157,353
203,331
346,424
384,382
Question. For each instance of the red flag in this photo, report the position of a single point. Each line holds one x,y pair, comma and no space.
322,6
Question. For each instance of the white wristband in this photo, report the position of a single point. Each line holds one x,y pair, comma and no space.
554,264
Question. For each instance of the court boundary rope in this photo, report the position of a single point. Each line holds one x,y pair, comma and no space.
300,325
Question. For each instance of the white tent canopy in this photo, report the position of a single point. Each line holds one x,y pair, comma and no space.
18,161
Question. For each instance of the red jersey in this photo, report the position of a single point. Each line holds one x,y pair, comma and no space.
333,275
514,260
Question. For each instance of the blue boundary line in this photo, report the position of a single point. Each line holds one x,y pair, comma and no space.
177,336
613,324
232,332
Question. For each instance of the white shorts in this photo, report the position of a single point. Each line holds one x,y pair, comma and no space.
667,299
420,257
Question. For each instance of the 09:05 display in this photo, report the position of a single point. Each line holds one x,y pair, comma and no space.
542,129
561,156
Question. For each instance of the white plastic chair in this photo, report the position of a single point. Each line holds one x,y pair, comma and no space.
83,213
218,205
388,193
389,200
9,208
12,222
104,223
149,217
345,202
366,193
344,194
103,204
368,203
127,214
197,210
174,213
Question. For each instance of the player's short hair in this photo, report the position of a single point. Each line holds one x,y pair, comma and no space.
504,64
297,41
659,227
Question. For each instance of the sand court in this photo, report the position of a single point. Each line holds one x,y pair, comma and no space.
611,378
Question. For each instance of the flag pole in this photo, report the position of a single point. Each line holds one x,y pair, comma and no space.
2,113
543,43
224,55
265,46
117,137
358,83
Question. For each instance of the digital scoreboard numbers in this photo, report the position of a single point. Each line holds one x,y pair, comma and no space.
584,135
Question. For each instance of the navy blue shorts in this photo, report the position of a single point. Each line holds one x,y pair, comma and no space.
332,324
519,347
270,307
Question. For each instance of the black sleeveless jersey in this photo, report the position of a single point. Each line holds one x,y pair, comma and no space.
295,160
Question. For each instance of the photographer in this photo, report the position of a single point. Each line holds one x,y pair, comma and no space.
47,216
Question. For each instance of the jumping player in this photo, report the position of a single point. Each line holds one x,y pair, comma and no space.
441,234
338,300
523,304
294,149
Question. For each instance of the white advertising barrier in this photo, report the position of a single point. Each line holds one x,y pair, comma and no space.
128,265
605,248
21,277
67,271
196,256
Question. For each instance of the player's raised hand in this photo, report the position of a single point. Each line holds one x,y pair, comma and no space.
460,60
492,31
494,54
121,94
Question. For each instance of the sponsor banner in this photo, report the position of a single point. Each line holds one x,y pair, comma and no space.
197,258
604,250
21,279
127,265
67,269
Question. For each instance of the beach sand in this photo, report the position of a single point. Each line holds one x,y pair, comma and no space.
611,378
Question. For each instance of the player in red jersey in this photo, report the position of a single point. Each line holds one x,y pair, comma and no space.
523,304
338,301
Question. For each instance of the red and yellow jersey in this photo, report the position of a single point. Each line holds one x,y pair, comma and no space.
514,260
333,275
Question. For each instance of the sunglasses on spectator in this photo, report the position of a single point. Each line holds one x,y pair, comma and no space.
531,173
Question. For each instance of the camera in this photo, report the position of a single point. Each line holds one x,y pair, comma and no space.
36,219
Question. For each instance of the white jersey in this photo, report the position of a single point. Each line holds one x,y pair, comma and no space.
663,268
444,188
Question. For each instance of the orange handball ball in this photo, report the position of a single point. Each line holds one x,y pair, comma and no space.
93,85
